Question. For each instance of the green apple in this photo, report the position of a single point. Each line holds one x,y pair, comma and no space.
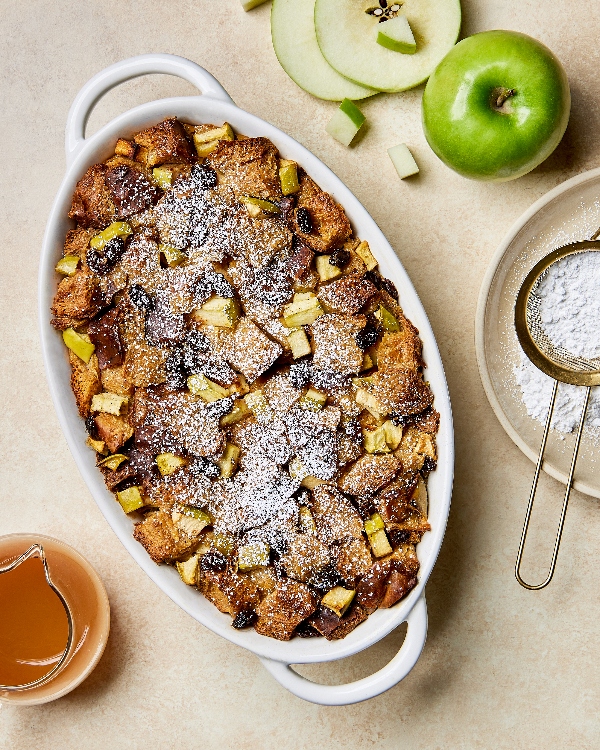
397,35
403,160
295,44
346,122
496,106
348,32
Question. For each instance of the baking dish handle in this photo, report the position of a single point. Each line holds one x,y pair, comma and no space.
369,687
123,71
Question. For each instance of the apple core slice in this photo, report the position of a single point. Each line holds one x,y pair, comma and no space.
347,32
403,160
345,123
296,48
397,35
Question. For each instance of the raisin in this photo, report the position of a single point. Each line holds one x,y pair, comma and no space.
197,340
213,560
401,419
203,177
201,290
141,299
390,288
306,630
114,249
176,379
90,426
398,536
210,282
300,374
429,464
304,220
219,408
102,262
97,262
326,579
244,619
339,257
366,337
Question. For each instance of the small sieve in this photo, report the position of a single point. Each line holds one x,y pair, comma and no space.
562,366
36,550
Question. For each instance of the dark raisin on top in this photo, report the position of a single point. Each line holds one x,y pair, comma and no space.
300,374
366,337
176,379
203,177
102,261
398,536
339,257
428,465
90,426
114,249
210,282
244,619
326,579
141,299
304,220
390,288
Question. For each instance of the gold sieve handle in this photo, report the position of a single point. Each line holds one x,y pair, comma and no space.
563,512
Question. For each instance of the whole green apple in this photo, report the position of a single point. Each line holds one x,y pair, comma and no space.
496,106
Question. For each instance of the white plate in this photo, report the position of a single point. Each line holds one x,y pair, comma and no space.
568,213
216,106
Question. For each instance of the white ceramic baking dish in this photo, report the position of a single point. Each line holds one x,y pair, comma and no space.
215,106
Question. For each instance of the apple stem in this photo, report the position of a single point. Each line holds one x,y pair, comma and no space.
500,95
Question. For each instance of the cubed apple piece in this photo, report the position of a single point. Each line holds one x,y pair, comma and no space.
229,460
338,600
303,310
374,441
191,520
113,462
373,524
311,482
326,269
172,256
222,312
188,570
299,343
239,411
116,229
131,499
249,4
98,445
387,320
346,122
368,402
207,137
259,406
224,543
163,177
255,555
380,545
403,160
367,363
393,434
364,253
109,403
78,344
67,265
397,35
169,463
313,400
258,206
307,522
208,390
288,176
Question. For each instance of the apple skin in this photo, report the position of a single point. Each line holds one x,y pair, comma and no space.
469,133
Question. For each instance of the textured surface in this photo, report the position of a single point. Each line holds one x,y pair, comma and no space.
502,667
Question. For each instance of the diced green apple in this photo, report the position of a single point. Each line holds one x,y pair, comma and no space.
403,160
346,122
79,345
397,35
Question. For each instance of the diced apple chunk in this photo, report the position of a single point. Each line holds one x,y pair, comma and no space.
393,434
201,386
302,311
188,570
259,405
364,253
255,555
169,463
173,257
313,400
387,320
299,343
67,265
78,344
113,462
98,445
131,499
338,600
239,411
346,122
403,160
397,35
257,206
222,312
191,520
116,229
307,522
380,544
163,177
327,270
206,138
374,441
288,176
229,460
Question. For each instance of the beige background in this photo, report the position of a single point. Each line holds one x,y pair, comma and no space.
502,668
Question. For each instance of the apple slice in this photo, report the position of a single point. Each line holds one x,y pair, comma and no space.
397,35
295,44
347,32
403,160
345,123
249,4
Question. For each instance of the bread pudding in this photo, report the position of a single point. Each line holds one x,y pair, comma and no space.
249,383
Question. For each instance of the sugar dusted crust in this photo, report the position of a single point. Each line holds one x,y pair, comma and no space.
250,384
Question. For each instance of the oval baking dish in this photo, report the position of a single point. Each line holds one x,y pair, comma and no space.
214,105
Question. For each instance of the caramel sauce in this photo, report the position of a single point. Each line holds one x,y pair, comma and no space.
34,628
